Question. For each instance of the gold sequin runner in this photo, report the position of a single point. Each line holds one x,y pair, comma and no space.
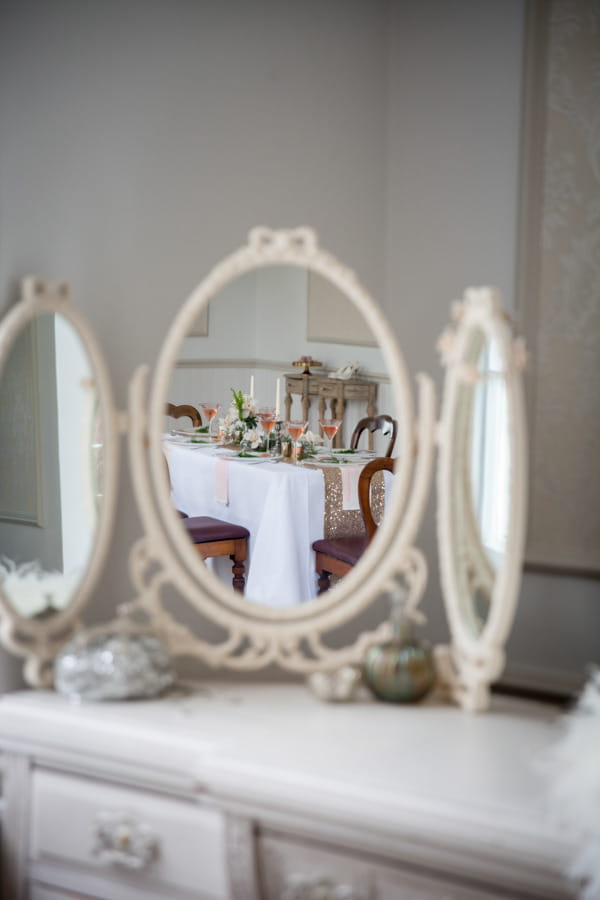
340,522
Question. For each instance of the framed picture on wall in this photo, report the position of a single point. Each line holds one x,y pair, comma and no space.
332,318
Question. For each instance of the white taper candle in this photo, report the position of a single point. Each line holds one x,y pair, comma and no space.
278,399
252,387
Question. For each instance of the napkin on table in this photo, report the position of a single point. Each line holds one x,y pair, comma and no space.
222,481
350,476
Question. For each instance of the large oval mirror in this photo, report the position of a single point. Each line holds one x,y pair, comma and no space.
243,435
58,449
482,489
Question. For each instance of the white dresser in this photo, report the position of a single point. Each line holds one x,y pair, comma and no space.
259,791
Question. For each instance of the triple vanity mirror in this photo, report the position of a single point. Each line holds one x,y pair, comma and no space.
277,297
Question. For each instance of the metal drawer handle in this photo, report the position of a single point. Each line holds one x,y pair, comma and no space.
303,887
119,840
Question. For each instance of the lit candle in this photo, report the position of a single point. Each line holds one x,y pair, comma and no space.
252,387
277,398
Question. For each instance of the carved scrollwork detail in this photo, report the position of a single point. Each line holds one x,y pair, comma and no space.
446,345
299,239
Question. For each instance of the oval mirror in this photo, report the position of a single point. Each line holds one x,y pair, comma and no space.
481,480
242,387
249,444
58,449
481,487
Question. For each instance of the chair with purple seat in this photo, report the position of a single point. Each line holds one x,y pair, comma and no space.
337,556
214,537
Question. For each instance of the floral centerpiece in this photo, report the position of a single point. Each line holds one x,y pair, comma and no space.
240,425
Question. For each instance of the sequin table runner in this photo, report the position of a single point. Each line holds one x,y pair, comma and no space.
340,522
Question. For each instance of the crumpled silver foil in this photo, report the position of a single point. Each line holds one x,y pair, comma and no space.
113,665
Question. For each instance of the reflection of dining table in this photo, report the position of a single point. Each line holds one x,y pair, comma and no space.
282,505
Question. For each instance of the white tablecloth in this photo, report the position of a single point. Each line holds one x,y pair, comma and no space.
280,504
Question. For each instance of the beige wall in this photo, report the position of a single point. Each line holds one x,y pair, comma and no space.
141,139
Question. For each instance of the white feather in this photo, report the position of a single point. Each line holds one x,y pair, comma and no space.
573,769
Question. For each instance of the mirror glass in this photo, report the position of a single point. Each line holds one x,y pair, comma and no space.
480,478
51,478
237,365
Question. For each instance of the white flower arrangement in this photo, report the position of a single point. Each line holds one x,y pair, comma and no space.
241,419
31,590
253,439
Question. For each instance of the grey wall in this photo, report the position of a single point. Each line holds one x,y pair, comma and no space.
141,139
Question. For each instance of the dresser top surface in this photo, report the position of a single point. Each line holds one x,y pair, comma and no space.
224,734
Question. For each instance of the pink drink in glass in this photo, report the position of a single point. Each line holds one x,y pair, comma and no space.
266,417
295,430
210,410
330,428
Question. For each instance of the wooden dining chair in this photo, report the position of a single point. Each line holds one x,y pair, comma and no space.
336,556
383,423
179,412
215,537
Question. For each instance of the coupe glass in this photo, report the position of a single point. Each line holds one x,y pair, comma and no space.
210,410
330,428
266,417
296,428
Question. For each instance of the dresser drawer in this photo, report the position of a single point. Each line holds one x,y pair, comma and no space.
291,869
154,844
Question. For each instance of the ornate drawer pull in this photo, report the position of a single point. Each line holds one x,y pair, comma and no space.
121,841
304,887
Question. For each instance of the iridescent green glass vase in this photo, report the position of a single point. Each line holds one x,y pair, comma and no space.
401,670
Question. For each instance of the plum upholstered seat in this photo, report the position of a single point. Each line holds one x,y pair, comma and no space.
214,537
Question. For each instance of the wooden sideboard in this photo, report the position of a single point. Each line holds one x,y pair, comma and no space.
332,394
225,791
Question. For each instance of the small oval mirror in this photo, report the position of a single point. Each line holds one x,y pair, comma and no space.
481,473
51,466
56,471
481,492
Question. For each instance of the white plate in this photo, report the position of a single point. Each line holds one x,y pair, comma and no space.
196,435
343,451
228,453
333,464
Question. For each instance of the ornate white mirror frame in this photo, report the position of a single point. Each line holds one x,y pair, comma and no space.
474,660
258,636
38,639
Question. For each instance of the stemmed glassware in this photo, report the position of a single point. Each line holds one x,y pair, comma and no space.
266,417
330,428
296,428
210,410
